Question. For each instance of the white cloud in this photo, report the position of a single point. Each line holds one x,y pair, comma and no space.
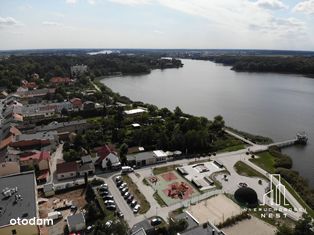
131,2
71,1
305,7
271,4
51,23
8,21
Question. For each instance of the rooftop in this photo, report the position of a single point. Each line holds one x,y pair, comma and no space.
37,136
140,156
66,167
25,207
57,125
134,111
75,219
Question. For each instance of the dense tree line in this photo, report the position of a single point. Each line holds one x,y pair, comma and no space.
16,68
276,64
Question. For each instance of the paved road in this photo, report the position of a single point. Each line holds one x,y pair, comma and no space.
57,155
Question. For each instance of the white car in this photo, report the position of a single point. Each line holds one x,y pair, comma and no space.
136,208
109,202
104,186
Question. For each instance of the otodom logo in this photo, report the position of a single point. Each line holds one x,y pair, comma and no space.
277,192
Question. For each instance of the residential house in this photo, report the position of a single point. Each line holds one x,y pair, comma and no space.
61,127
76,103
87,168
76,222
104,155
88,105
66,170
36,141
28,85
36,95
57,81
39,160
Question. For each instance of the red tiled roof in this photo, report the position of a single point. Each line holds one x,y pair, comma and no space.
103,152
5,142
66,167
60,80
44,155
15,131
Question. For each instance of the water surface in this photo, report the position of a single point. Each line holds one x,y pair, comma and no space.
274,105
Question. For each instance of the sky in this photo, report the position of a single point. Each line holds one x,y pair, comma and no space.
200,24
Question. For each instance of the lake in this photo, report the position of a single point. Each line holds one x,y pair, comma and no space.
268,104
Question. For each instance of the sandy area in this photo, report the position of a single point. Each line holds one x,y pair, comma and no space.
248,227
216,209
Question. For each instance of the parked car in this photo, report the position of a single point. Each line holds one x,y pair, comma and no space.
124,190
111,207
155,221
104,193
126,195
120,214
130,199
136,209
108,197
118,178
119,183
104,186
109,202
102,189
126,169
123,186
133,203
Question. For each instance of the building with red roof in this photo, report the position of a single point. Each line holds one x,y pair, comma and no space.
60,80
106,154
66,170
39,160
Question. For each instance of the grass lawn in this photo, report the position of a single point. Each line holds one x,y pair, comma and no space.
159,200
245,170
163,169
232,148
266,161
137,194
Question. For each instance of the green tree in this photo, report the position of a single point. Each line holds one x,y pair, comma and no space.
123,152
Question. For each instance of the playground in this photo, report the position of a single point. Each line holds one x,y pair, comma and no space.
171,187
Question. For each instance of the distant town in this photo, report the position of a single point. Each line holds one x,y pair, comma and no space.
87,160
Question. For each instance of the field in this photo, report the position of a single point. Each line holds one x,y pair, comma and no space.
216,209
171,187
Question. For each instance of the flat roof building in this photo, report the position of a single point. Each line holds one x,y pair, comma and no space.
18,197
